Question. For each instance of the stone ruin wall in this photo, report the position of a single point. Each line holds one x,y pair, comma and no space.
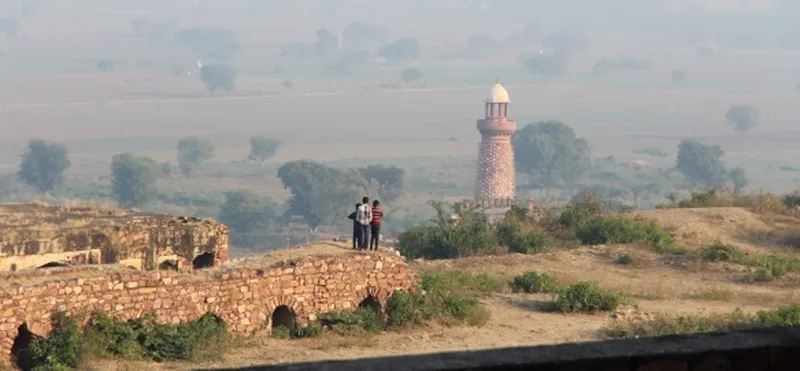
246,297
34,235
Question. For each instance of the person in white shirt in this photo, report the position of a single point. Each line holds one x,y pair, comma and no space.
363,217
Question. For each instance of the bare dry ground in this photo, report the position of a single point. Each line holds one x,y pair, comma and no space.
656,285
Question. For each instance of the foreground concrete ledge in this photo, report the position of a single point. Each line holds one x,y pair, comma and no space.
765,349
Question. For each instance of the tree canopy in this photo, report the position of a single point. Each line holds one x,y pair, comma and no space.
247,213
215,43
742,117
401,50
193,152
327,42
410,74
551,153
701,163
390,180
218,77
43,165
133,179
262,148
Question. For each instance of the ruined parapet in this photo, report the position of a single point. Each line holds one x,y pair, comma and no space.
38,235
255,294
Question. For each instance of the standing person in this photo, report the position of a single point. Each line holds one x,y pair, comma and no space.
356,226
363,216
375,225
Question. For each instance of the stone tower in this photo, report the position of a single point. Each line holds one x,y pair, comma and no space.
495,179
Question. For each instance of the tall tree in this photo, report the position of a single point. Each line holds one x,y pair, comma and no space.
551,153
262,148
247,213
389,179
321,193
401,50
218,77
193,152
742,117
43,165
739,179
701,163
133,179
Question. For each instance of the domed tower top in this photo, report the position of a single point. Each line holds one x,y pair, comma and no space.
497,102
499,94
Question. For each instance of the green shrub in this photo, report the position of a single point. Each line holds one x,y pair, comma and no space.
507,231
532,282
62,349
587,297
759,275
404,308
663,325
348,322
620,230
786,316
461,283
467,238
312,330
624,259
530,242
719,251
281,332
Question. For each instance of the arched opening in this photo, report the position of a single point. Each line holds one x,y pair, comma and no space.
168,265
20,350
54,265
203,260
370,302
283,316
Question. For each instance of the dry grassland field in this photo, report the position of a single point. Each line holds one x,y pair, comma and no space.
51,88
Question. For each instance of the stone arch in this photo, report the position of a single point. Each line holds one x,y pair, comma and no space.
284,316
377,294
168,265
371,302
204,260
53,265
20,350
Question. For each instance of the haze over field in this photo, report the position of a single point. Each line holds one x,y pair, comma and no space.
208,107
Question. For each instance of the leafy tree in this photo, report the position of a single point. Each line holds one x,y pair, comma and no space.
678,75
211,42
245,213
701,163
262,148
400,50
105,65
288,84
742,117
482,44
739,179
133,179
390,180
218,76
547,65
359,33
410,74
321,193
9,26
193,152
551,153
297,50
43,165
327,42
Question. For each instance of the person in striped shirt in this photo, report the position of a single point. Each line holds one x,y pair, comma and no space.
375,225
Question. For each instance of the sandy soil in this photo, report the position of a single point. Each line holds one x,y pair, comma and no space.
655,284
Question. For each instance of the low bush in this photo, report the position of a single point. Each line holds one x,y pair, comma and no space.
466,238
533,282
530,242
587,297
785,316
621,230
625,259
446,296
144,338
719,251
349,322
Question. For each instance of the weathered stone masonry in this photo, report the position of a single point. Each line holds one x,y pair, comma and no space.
245,297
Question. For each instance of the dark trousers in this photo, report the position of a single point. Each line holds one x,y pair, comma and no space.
375,235
363,238
356,235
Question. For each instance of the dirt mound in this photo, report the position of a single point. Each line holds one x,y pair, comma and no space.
698,227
